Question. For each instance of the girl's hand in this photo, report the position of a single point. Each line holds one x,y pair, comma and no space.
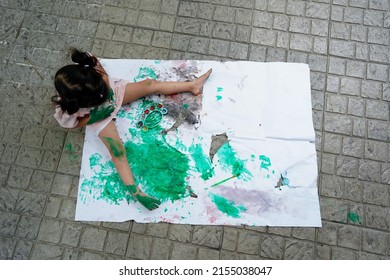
98,114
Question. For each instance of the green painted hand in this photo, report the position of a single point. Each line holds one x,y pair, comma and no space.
148,202
98,114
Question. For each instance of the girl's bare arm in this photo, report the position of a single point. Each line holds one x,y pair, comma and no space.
110,137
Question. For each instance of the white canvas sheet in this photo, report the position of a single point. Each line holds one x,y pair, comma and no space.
265,174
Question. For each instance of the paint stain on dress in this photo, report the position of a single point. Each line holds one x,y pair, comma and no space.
115,147
106,183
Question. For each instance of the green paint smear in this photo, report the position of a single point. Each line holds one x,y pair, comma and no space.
123,114
354,218
72,155
185,106
95,160
115,147
229,161
161,168
202,162
227,206
219,89
218,97
145,72
69,148
265,162
106,184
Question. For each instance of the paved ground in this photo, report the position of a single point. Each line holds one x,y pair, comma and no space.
346,44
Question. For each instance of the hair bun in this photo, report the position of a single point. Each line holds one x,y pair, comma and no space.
71,106
83,58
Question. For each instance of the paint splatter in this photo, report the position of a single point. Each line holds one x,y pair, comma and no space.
354,218
226,206
144,73
265,162
72,155
124,113
202,162
106,184
218,97
283,181
100,113
160,169
230,161
69,148
219,89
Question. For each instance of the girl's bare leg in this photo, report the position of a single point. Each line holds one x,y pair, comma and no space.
110,137
137,90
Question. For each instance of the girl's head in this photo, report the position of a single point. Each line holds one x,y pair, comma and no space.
79,85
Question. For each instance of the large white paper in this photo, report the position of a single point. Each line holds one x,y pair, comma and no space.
265,174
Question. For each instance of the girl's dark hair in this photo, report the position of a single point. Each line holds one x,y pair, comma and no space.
79,85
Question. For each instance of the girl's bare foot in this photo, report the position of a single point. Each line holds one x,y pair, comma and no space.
199,82
148,202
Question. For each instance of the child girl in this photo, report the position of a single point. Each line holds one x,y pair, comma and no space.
88,96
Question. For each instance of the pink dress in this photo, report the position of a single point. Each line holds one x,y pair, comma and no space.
71,121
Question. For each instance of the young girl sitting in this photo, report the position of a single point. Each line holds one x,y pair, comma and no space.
88,96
